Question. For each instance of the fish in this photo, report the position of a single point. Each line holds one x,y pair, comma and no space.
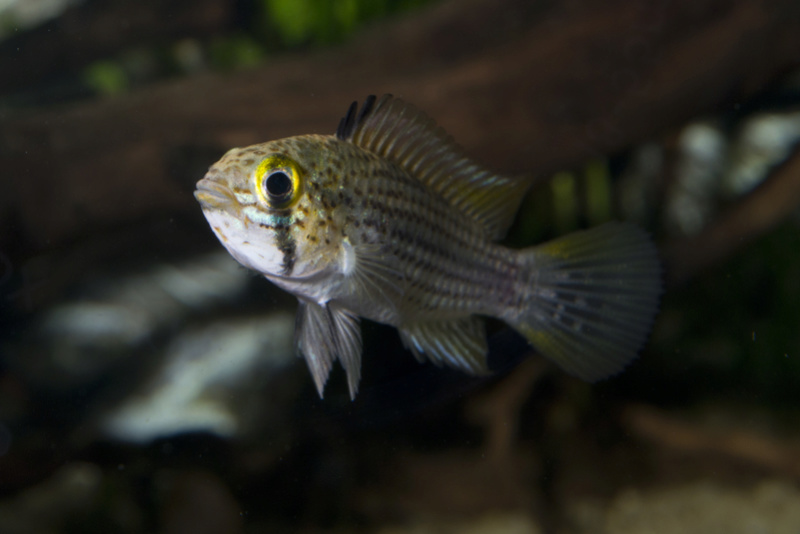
389,220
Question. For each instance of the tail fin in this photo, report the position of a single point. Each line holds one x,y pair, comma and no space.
591,298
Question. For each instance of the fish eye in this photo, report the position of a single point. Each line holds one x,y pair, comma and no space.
278,182
278,186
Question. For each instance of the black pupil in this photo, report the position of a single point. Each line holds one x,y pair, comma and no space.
278,185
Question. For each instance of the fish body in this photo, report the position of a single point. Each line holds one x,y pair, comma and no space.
390,221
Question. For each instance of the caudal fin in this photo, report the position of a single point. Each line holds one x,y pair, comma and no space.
591,298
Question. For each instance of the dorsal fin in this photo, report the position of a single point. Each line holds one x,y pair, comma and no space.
349,121
407,137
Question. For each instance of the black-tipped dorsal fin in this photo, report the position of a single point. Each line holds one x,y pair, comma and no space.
410,139
350,121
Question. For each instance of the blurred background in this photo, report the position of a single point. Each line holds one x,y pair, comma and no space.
148,383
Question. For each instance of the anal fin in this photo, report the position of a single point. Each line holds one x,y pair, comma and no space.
459,343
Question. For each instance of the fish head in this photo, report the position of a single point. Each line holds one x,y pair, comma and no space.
273,206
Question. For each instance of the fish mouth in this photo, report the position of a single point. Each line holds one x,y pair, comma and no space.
212,194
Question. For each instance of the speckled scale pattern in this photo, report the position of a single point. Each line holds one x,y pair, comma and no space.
450,267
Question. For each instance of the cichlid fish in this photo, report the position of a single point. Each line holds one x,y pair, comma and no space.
389,220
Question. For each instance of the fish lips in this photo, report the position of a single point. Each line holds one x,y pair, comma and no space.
213,195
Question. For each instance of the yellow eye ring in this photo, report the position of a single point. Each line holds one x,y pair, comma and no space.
278,182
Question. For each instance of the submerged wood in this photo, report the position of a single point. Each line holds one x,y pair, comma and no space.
524,87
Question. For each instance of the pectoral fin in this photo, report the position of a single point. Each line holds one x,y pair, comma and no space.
325,334
372,272
459,343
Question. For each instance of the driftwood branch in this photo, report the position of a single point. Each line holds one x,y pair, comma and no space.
525,87
756,214
746,446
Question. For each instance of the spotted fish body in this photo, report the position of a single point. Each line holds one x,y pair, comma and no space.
388,220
